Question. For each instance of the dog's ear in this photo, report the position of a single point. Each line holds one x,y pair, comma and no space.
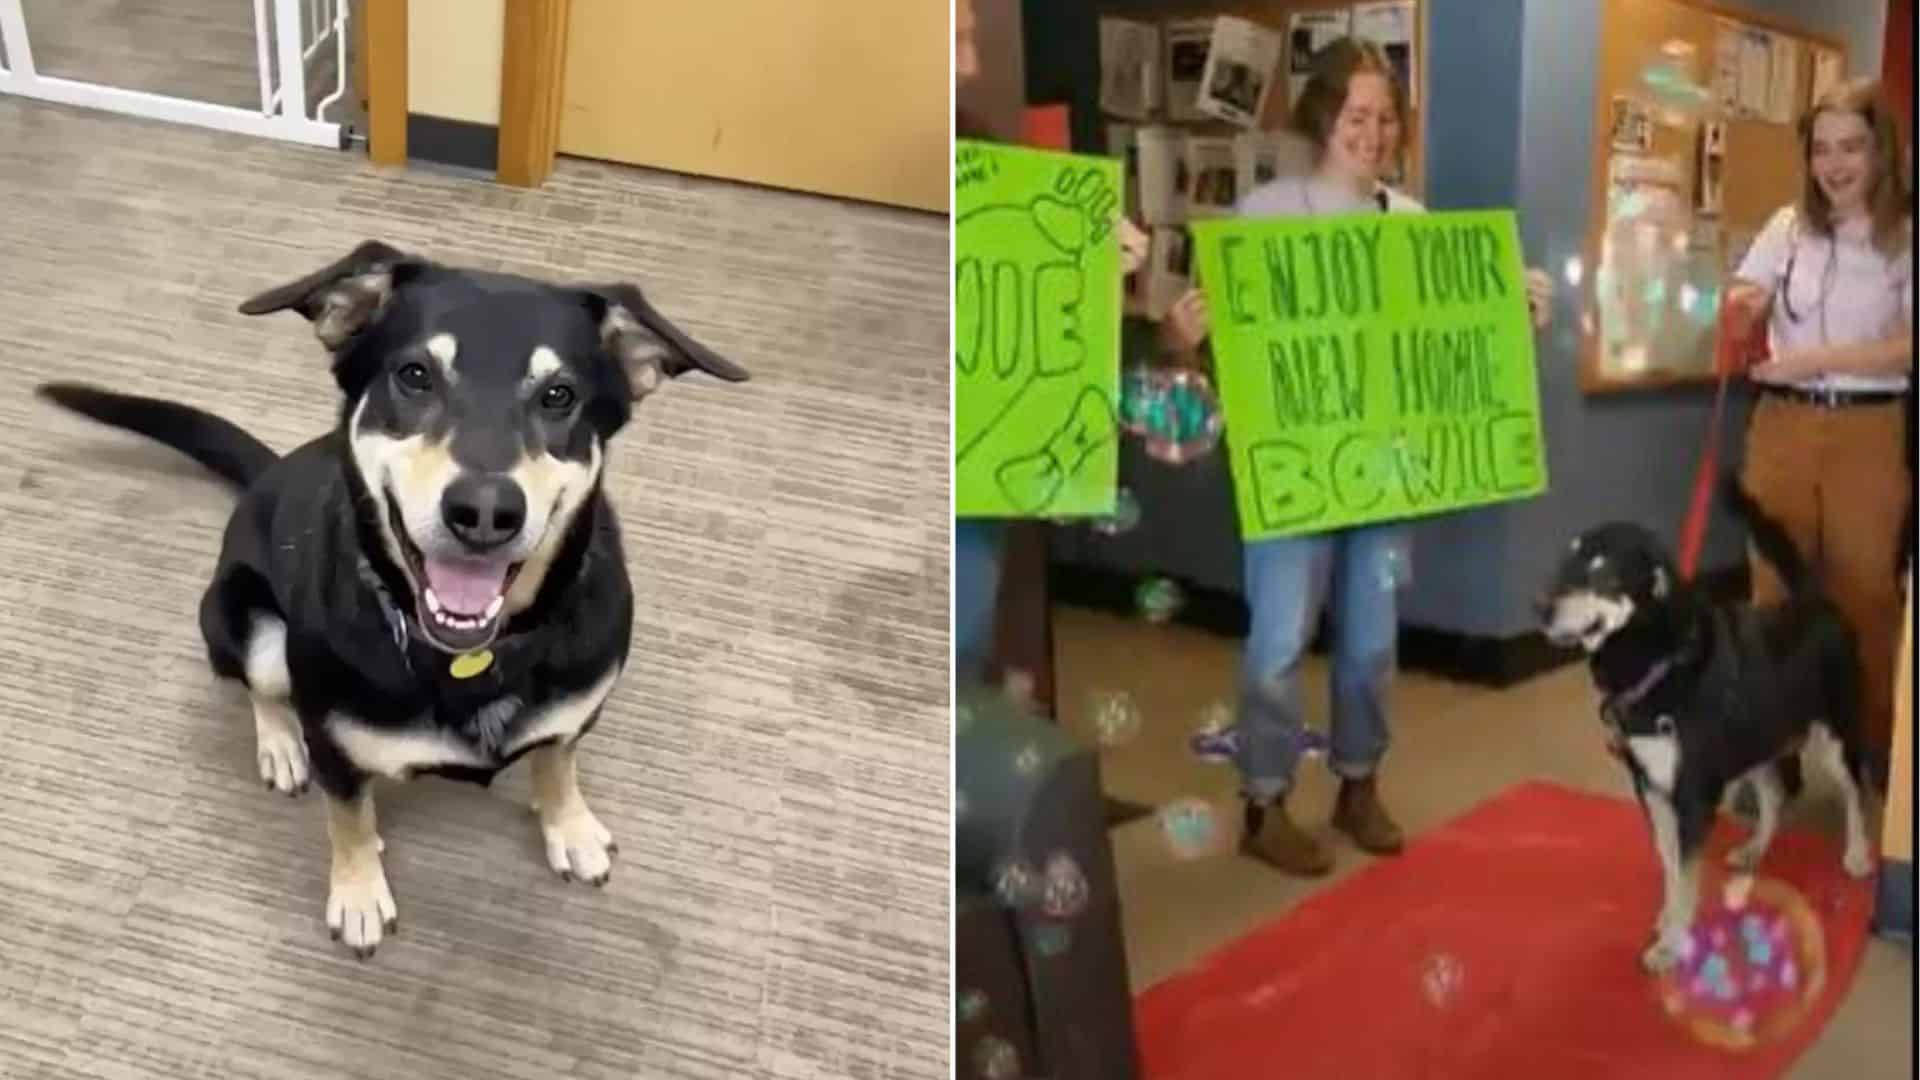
345,297
646,344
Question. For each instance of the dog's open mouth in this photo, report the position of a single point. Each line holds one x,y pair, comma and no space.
461,598
1560,633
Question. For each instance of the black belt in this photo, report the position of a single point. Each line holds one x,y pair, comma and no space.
1832,398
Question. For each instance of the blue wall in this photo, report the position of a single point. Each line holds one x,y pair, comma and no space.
1511,84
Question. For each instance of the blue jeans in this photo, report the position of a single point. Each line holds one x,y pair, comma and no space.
976,587
1288,581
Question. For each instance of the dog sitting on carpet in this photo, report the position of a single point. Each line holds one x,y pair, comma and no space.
1700,696
438,584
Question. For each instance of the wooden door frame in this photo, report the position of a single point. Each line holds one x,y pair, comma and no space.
533,68
382,75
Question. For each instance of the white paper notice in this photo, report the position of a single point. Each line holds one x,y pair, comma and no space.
1129,68
1162,168
1213,177
1756,71
1783,101
1187,42
1307,33
1239,72
1123,143
1726,65
1828,69
1389,24
1262,156
1169,264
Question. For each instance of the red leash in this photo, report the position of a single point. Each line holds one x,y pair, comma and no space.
1731,354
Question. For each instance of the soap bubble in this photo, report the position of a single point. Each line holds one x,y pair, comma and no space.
1159,599
1216,740
1116,719
1052,939
962,719
1016,883
1655,295
1027,760
972,1005
1176,413
1136,396
1126,515
1396,570
995,1058
1190,827
1063,888
1670,80
1441,977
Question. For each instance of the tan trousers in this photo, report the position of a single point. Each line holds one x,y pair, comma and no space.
1837,479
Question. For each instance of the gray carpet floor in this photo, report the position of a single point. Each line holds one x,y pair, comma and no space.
774,763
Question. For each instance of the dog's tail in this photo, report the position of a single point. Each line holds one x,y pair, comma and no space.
232,454
1769,536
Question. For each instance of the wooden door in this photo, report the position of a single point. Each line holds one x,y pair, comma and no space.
840,97
1897,825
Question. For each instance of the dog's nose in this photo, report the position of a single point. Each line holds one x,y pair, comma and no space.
484,511
1543,606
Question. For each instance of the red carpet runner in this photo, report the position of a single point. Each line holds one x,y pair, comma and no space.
1502,946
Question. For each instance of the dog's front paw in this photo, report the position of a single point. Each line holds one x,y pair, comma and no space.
282,753
578,846
360,908
1856,862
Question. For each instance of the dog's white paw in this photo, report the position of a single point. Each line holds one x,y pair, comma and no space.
360,909
282,756
578,846
1856,862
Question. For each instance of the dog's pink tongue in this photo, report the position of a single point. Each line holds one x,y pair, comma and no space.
465,588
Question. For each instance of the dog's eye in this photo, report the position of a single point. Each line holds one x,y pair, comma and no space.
414,377
557,398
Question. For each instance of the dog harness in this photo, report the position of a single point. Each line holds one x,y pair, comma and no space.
1615,708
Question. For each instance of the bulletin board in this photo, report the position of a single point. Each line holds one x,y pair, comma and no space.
1277,15
1760,173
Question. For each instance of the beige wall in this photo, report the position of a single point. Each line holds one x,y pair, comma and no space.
453,58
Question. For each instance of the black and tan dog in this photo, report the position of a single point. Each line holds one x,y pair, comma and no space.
437,585
1699,696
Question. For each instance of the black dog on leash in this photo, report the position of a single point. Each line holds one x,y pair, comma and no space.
438,584
1699,696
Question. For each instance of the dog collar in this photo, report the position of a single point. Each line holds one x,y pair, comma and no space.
396,619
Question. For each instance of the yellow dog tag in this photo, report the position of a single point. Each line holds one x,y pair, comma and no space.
467,665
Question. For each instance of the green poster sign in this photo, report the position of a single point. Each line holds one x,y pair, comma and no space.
1036,329
1371,367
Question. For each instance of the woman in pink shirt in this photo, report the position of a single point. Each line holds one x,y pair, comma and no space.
1829,451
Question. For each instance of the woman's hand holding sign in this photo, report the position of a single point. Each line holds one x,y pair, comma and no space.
1185,327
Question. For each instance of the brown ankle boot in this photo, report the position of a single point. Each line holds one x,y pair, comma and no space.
1273,838
1358,813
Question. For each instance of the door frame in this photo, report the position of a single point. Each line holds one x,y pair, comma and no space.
293,37
533,75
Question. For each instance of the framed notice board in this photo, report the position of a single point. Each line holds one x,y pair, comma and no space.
1665,226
